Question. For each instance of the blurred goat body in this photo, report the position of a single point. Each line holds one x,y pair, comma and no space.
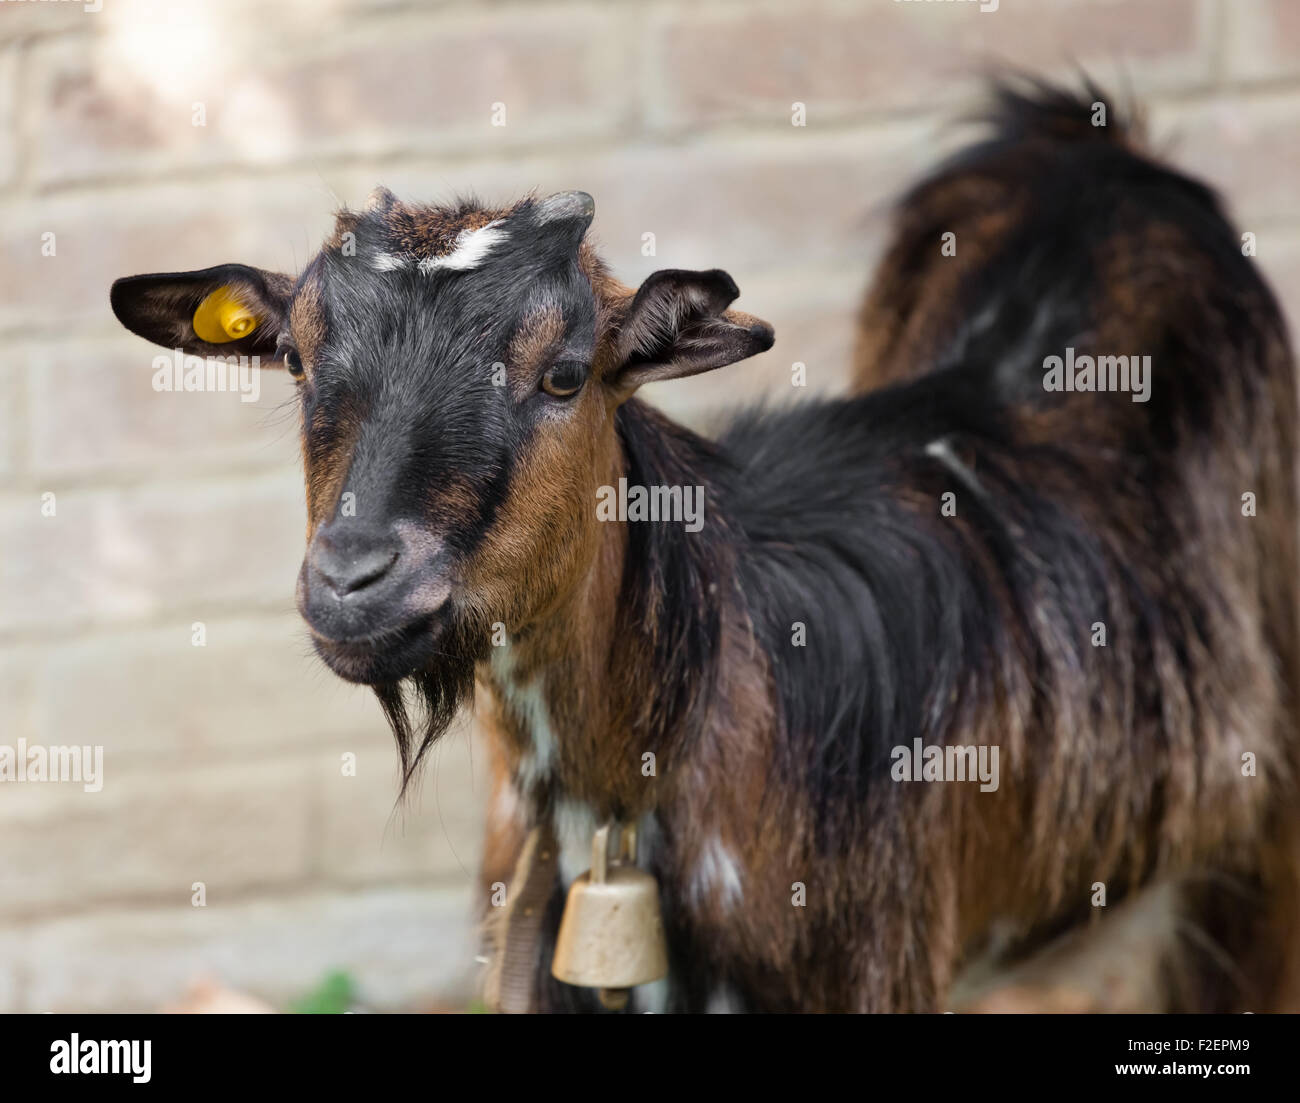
1170,528
1110,599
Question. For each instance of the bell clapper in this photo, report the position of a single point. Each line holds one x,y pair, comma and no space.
613,999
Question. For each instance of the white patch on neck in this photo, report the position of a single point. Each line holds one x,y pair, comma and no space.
717,874
528,703
574,826
472,247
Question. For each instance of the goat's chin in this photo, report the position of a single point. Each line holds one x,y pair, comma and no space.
389,657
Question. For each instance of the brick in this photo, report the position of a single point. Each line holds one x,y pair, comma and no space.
31,18
436,836
402,946
17,693
11,407
94,410
1247,147
139,30
13,953
1263,41
150,835
361,90
255,689
732,62
176,547
9,62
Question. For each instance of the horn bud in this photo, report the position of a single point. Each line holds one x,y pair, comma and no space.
576,208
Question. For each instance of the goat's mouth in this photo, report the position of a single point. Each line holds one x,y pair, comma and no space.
384,656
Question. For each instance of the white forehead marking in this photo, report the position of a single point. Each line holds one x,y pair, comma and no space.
471,247
387,262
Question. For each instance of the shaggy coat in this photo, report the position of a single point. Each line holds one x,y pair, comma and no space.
1099,585
1079,517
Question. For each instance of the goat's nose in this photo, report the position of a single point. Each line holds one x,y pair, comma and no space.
349,557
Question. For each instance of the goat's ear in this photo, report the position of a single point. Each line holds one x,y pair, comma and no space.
678,324
229,309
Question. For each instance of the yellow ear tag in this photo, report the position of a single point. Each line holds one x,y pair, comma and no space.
221,317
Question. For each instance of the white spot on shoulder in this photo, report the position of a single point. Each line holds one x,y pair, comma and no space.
717,874
472,246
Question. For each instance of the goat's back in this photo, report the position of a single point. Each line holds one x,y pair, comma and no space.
1167,519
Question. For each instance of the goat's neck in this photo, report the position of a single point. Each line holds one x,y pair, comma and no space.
619,670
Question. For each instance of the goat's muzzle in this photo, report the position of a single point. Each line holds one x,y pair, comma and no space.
373,597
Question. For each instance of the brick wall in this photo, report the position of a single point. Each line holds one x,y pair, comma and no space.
222,762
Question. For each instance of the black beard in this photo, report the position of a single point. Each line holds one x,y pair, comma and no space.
421,707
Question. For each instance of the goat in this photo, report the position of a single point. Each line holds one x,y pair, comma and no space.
955,559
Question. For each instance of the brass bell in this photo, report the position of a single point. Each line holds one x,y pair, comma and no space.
611,934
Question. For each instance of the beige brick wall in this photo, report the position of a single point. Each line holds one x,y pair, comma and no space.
222,762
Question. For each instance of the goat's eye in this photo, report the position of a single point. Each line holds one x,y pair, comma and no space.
293,362
564,378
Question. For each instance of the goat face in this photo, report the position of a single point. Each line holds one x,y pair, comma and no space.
448,429
458,371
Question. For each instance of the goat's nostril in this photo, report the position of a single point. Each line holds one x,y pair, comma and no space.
361,572
346,567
